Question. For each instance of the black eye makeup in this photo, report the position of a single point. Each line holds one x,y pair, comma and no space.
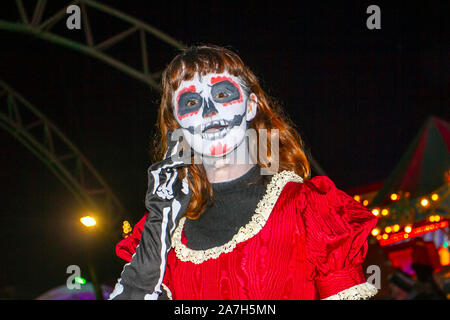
189,102
224,92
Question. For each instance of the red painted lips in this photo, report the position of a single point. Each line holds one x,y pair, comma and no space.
218,148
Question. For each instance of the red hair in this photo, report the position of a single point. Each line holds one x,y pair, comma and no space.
212,59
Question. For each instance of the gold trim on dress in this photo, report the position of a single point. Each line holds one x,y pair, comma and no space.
259,219
168,292
359,292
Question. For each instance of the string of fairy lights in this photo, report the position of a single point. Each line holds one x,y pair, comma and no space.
405,212
401,208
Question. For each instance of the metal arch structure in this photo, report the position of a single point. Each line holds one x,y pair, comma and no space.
34,25
36,132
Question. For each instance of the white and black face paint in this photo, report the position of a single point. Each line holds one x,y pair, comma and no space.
212,111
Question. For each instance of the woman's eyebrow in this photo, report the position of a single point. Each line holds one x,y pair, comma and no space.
218,82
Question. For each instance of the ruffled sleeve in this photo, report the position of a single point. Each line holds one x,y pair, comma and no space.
336,229
127,247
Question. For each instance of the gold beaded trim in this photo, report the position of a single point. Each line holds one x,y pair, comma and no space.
168,292
259,219
358,292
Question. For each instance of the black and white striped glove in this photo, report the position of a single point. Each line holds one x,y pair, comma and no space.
166,200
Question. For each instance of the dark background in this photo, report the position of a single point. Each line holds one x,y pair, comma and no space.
357,96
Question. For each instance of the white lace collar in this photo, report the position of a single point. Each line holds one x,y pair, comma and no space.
259,219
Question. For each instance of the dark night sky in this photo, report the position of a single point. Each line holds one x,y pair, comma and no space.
357,96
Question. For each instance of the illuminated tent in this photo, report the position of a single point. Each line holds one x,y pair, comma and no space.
422,168
418,188
414,201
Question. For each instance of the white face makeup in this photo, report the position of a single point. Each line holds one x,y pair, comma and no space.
212,111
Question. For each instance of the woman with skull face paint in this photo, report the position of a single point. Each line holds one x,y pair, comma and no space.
241,234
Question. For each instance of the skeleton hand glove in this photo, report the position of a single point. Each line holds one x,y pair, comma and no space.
166,200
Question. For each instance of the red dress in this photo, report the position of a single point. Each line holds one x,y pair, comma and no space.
307,240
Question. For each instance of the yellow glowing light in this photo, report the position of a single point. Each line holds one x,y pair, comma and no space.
408,229
444,256
375,232
88,221
424,202
431,218
434,197
406,236
396,228
385,236
388,229
376,212
357,198
394,197
126,227
379,237
384,212
437,218
365,203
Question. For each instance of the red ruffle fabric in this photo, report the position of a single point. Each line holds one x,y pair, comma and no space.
127,247
311,247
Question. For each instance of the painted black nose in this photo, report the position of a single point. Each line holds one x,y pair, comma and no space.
209,109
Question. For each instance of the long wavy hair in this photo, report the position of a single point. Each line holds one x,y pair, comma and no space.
213,59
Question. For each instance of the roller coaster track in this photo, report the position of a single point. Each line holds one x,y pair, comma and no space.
35,25
43,24
36,132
